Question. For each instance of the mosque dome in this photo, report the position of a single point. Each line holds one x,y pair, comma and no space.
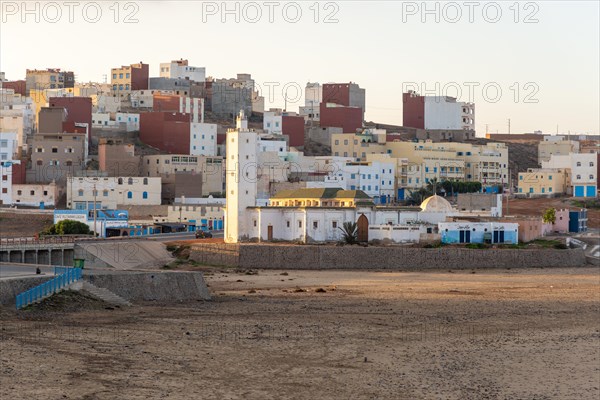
436,203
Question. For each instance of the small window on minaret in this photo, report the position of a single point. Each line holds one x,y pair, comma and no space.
247,141
247,157
246,192
254,222
232,192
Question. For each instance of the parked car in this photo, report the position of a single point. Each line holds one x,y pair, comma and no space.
203,234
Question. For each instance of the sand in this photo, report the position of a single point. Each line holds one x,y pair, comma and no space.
503,334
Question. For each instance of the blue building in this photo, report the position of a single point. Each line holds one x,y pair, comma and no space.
105,219
479,232
578,221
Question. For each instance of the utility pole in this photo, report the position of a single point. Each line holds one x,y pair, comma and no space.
509,126
95,194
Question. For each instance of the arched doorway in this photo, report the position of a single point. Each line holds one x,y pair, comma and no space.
363,229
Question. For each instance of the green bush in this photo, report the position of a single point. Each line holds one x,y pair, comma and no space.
67,227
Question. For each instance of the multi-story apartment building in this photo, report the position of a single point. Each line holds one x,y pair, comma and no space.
180,69
313,96
56,155
437,112
178,171
51,78
345,94
130,77
487,164
583,172
116,158
229,96
549,147
543,182
108,192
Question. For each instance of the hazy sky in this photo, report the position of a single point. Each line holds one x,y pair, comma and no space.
546,64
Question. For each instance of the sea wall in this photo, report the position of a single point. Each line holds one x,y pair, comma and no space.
264,256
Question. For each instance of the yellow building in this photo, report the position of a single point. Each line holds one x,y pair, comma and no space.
328,197
427,160
542,182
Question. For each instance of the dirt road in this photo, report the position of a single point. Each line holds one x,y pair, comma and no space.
504,334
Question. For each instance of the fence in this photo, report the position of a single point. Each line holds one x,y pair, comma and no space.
65,277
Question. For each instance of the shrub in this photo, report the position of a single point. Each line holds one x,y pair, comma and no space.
67,227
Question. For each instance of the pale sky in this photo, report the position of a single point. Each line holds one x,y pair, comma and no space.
383,46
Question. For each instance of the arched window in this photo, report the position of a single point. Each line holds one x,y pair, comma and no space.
130,195
145,195
80,192
120,181
578,176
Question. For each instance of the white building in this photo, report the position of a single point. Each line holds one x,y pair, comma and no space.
583,172
110,192
203,139
273,121
376,179
179,69
313,96
126,121
443,112
35,195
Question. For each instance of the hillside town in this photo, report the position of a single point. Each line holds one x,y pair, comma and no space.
299,200
166,148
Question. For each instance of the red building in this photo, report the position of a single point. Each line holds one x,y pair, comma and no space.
413,111
345,94
293,127
17,86
165,103
79,111
347,118
167,131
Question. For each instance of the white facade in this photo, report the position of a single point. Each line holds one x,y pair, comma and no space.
377,179
272,121
271,144
6,181
109,192
180,70
203,139
241,187
9,144
313,96
128,121
583,172
442,112
35,195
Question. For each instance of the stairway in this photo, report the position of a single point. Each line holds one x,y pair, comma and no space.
102,294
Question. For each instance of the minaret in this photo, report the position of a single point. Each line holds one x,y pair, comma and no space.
241,179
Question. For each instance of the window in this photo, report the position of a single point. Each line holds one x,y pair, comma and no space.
130,181
127,75
254,223
287,224
120,76
578,176
299,224
105,193
55,149
578,163
145,181
3,143
315,224
80,193
130,195
120,181
19,192
69,163
591,177
334,224
591,163
39,162
4,190
114,76
337,142
145,195
4,177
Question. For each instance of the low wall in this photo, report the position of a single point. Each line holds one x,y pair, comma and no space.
10,288
153,286
397,258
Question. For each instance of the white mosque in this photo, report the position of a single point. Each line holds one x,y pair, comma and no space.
312,215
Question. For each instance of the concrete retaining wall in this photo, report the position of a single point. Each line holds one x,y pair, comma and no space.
153,286
397,258
10,288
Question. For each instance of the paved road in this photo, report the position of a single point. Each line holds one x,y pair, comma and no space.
168,237
19,271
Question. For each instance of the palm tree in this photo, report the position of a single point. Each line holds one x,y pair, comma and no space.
349,232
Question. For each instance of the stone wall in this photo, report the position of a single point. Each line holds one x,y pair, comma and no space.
153,286
10,288
396,258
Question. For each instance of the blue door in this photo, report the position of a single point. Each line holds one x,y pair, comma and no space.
579,191
591,191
